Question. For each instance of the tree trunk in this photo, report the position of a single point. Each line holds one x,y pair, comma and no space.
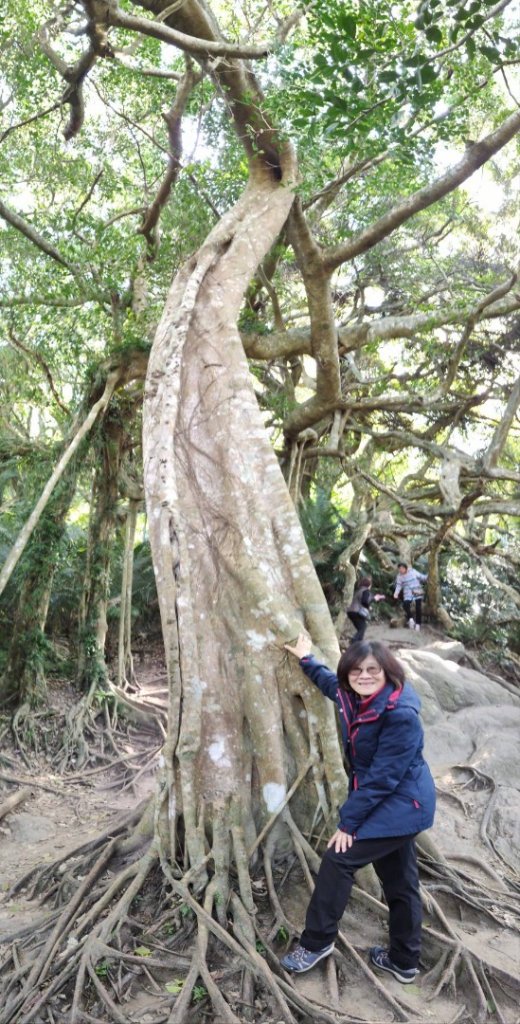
436,608
234,577
125,665
92,626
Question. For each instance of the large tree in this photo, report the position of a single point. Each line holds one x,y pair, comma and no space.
308,193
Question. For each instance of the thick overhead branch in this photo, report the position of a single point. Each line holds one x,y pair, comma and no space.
324,336
197,47
297,340
75,74
196,32
471,322
475,156
469,467
495,581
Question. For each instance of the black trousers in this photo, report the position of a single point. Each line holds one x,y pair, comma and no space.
360,623
418,609
395,862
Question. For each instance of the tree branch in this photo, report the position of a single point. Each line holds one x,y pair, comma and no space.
297,340
25,533
477,155
499,438
26,229
189,44
173,120
17,344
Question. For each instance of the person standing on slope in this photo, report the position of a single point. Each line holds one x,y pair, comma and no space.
359,608
391,798
409,582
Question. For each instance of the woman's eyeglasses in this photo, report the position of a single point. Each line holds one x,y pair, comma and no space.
373,670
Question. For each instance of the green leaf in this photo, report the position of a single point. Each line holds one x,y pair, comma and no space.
491,53
434,34
348,24
428,73
175,986
142,951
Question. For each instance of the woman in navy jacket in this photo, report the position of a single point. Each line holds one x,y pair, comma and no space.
391,798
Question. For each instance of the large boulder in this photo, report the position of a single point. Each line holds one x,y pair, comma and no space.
470,720
452,686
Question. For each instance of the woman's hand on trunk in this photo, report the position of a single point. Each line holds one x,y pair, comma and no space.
302,646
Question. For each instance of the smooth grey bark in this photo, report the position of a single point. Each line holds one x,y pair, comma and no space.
234,577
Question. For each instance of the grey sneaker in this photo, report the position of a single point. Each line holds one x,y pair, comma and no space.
381,959
302,959
411,623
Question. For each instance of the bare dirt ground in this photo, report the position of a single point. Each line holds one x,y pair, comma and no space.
65,811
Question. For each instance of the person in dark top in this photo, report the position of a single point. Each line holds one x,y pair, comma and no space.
359,609
391,798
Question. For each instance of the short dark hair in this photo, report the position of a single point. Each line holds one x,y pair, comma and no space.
403,564
358,651
365,581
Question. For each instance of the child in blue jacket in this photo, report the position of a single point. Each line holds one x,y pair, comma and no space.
391,798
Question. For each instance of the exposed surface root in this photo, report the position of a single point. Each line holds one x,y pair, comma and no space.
103,730
96,731
122,921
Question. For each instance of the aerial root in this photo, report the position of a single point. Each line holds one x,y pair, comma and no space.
247,953
491,997
14,800
496,903
280,918
79,931
454,958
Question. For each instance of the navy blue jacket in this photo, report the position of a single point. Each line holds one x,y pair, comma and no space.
391,790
